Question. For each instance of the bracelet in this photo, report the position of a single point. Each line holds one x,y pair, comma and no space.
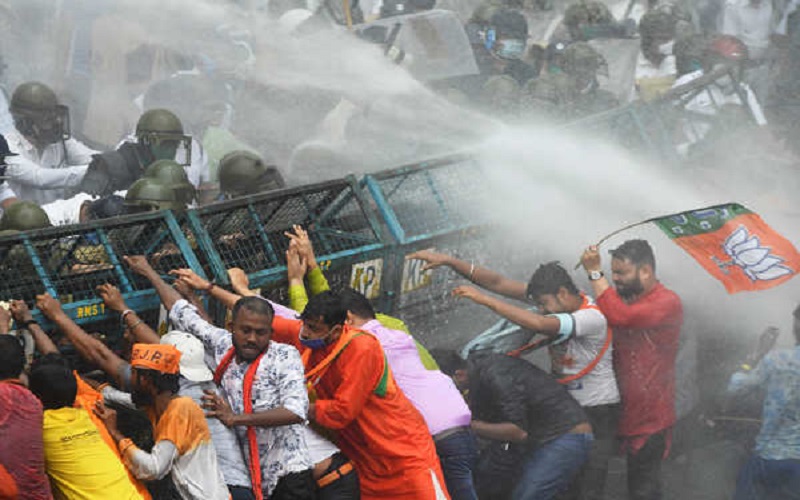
26,324
125,313
471,269
210,286
135,324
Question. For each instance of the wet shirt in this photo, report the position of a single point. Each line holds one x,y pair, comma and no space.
384,435
583,334
432,392
79,462
779,374
507,389
49,175
646,335
22,451
183,449
279,382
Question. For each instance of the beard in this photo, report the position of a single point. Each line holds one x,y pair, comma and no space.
629,290
141,399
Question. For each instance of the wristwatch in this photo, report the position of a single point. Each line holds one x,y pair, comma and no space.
595,275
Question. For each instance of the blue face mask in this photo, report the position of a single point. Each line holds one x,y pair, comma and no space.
314,344
510,48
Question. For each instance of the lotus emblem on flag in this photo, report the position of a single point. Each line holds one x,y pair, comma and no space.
746,252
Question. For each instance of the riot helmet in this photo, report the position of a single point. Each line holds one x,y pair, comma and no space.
38,115
173,175
160,131
583,63
103,208
242,173
149,194
657,31
24,216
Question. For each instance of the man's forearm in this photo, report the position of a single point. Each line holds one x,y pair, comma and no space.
505,431
228,299
488,279
42,342
270,418
169,296
526,319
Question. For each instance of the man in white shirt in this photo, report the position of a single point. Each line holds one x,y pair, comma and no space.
751,21
50,164
655,68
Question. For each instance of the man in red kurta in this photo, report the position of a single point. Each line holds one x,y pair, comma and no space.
646,319
354,394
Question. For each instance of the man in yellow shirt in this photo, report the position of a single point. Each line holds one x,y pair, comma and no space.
79,463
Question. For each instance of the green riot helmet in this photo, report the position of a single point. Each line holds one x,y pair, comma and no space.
38,115
242,173
582,63
24,216
148,194
656,28
173,175
162,133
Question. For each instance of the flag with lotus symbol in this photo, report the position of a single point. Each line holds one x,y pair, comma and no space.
735,245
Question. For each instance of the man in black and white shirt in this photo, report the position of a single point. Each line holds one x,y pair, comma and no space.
277,386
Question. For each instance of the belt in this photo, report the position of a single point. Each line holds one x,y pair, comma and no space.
449,432
335,475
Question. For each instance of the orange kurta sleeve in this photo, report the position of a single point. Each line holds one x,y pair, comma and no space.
363,364
286,330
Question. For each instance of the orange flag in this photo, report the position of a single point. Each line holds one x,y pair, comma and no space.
734,245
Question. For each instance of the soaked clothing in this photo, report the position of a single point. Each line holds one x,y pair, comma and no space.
279,383
779,373
79,463
506,389
22,451
49,175
380,430
646,334
183,449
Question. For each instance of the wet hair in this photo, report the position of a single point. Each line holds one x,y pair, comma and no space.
54,384
549,279
448,360
256,305
327,306
163,382
638,252
357,303
12,357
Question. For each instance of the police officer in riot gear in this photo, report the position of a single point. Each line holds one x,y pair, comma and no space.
169,173
242,173
24,216
149,194
7,196
51,163
159,136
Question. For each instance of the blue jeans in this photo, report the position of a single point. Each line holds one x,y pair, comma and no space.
458,454
548,469
762,479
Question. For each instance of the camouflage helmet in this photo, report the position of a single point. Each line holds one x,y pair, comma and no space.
509,23
162,132
38,115
24,216
242,173
148,194
501,93
581,14
582,58
172,175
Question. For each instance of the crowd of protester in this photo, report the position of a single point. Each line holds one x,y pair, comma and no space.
327,398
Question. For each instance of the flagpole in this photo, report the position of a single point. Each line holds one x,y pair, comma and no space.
647,221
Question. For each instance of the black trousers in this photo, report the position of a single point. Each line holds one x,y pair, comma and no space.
644,469
295,486
345,488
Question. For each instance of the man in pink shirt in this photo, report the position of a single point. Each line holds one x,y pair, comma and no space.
431,392
646,319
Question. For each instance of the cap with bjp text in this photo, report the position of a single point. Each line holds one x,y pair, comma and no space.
163,358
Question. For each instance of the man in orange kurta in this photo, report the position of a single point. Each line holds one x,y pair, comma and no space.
356,397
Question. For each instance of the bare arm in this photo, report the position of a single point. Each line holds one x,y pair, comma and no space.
140,330
21,314
195,282
87,346
217,407
484,278
546,325
591,262
139,264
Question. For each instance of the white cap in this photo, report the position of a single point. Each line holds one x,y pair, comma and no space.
193,364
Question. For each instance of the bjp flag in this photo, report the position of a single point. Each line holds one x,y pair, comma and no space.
734,245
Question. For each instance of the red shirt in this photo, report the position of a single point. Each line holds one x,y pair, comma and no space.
646,333
385,436
21,448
